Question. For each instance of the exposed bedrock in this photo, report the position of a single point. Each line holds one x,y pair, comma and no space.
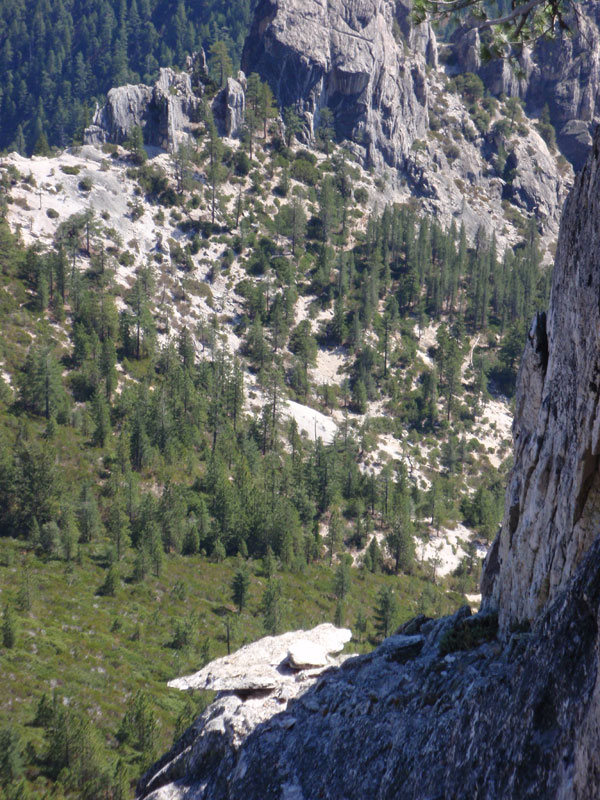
342,54
564,73
163,111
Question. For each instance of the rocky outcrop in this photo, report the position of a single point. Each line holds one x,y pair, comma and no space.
255,684
342,54
164,112
379,75
229,106
270,663
125,107
553,500
566,73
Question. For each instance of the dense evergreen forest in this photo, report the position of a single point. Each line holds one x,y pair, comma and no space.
58,59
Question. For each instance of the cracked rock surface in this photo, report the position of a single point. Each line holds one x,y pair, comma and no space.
507,719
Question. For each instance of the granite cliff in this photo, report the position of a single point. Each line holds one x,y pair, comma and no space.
343,55
456,707
391,101
553,498
563,73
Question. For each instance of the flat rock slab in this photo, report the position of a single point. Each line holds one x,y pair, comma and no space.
305,654
269,662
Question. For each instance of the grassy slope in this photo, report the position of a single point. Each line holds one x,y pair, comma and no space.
96,651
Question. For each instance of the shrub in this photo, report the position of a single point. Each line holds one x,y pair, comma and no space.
503,127
546,129
152,179
469,633
452,152
306,155
481,119
51,213
361,195
470,86
85,184
242,163
305,172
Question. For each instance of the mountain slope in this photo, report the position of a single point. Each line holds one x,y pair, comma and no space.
443,709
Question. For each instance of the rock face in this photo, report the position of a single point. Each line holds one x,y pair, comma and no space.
406,722
342,54
422,716
164,112
553,500
567,73
564,73
229,106
380,77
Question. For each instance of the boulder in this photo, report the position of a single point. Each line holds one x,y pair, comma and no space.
265,665
305,654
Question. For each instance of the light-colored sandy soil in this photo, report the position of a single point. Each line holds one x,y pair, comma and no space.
444,551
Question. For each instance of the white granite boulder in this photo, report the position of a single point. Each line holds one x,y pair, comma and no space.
270,662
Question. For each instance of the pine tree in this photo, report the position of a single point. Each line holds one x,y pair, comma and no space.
220,62
135,144
385,611
239,588
108,360
271,608
292,124
139,726
118,526
101,415
269,564
373,556
400,541
111,582
360,626
343,577
90,523
9,628
41,388
215,174
325,129
266,106
334,534
11,758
